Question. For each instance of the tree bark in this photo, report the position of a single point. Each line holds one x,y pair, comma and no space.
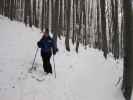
103,28
128,50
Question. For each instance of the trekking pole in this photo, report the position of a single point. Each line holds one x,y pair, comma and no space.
54,67
54,64
34,59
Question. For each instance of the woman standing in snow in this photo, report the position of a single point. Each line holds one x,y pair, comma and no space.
47,45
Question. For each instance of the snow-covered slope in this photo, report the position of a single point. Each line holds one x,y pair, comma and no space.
83,76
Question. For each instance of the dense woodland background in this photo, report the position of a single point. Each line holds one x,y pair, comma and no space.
102,24
97,23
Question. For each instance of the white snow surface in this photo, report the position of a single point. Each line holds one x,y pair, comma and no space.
83,76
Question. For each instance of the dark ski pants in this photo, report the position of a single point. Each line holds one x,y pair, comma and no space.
46,62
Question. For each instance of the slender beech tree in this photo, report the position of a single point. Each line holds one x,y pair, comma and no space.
42,16
68,14
128,50
103,28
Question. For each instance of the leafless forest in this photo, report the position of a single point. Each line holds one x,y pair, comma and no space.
102,24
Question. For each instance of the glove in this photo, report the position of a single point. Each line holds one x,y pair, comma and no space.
55,50
39,44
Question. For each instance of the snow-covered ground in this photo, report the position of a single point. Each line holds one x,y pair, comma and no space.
83,76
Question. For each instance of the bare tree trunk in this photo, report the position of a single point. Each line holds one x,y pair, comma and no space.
78,35
68,12
65,15
53,16
60,19
25,12
47,14
2,7
80,26
98,27
29,13
103,25
128,50
12,9
34,14
84,23
42,16
115,38
73,34
6,9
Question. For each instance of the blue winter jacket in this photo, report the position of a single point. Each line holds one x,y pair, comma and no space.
47,45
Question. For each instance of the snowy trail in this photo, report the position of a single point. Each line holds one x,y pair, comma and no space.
83,76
